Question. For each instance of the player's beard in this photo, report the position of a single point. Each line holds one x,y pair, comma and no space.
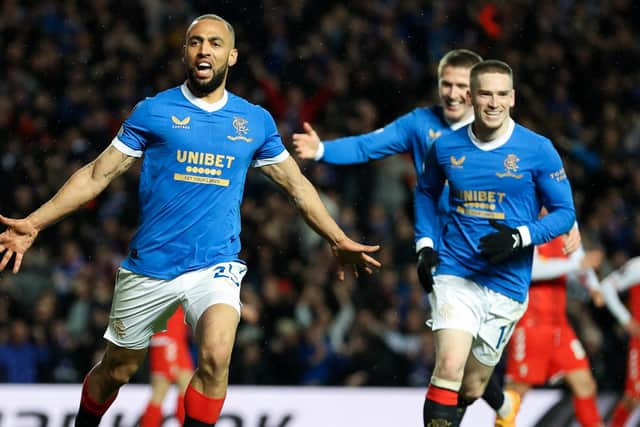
203,88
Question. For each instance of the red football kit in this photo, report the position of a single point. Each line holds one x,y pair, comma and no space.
169,351
632,384
544,346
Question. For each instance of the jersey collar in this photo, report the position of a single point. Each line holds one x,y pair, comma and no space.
461,124
439,113
496,143
203,104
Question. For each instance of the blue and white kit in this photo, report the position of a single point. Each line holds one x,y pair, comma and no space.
196,157
508,180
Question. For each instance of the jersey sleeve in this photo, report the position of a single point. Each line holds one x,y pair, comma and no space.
619,281
428,191
554,188
547,268
272,150
628,275
134,134
394,138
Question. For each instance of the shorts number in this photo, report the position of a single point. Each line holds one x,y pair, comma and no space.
577,349
225,271
505,332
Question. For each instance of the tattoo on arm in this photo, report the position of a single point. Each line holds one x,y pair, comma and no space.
127,162
109,174
113,164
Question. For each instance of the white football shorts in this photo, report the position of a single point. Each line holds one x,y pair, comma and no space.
490,317
142,305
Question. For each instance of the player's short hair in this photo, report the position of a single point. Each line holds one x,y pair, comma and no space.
214,17
490,66
458,58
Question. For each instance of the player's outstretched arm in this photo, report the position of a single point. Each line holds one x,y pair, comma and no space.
615,283
82,186
619,281
16,239
348,253
306,144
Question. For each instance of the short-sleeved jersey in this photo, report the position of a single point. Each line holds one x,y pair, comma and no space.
508,180
548,298
196,157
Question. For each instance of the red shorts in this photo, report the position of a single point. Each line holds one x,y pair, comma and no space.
538,354
168,356
632,385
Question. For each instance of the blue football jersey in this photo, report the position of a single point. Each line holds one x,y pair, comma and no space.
196,158
411,133
508,180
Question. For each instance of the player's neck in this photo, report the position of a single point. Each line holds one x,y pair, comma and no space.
457,124
486,134
211,97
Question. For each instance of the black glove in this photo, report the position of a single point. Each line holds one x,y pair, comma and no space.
427,261
500,245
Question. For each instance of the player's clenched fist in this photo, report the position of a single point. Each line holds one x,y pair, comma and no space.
427,262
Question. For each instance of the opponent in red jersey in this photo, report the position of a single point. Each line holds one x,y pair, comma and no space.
170,363
627,277
530,360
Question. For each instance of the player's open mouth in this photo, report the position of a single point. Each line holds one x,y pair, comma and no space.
204,70
453,104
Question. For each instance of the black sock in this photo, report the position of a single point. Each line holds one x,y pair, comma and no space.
190,422
85,418
463,404
493,394
436,414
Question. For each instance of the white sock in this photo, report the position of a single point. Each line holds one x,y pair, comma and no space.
505,409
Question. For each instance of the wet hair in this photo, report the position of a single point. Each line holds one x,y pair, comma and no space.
214,17
459,58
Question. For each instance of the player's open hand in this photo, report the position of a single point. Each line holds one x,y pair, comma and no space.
306,144
355,255
16,239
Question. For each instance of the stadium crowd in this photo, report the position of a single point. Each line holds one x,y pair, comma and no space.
71,71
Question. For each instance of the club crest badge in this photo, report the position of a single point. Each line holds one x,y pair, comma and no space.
241,128
511,167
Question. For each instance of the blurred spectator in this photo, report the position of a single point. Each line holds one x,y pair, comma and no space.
23,358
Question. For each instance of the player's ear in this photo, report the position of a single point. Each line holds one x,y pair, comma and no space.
513,98
233,57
